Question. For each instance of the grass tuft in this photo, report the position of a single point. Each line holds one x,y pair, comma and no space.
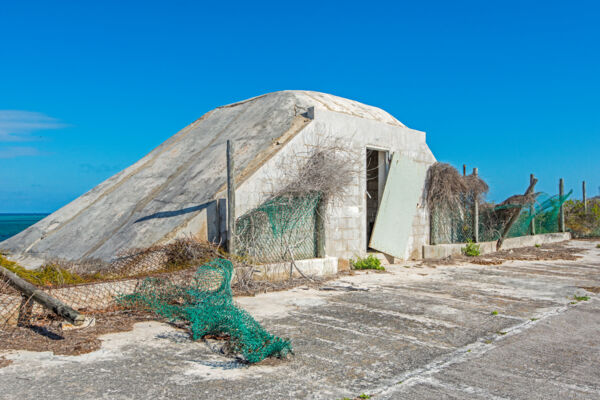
471,249
369,262
47,275
581,298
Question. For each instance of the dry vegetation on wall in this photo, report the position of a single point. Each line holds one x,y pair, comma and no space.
286,225
328,168
450,198
447,188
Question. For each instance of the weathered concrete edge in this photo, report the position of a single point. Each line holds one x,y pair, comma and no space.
445,250
312,266
438,251
528,241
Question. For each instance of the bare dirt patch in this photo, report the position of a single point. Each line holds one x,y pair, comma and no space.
553,251
48,337
4,362
592,289
46,334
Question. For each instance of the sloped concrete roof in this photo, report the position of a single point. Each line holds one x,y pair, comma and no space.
149,201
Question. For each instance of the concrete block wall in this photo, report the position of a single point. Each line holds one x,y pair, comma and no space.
345,225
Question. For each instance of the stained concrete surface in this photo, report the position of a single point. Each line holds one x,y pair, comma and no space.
169,191
413,333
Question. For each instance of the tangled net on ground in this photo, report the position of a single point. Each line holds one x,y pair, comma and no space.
206,306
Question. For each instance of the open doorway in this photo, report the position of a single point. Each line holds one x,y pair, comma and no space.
377,165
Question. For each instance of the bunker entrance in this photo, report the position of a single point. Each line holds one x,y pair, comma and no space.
377,166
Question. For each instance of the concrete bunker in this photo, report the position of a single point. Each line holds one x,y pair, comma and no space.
179,188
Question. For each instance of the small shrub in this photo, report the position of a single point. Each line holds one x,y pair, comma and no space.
538,245
369,262
471,249
494,312
598,246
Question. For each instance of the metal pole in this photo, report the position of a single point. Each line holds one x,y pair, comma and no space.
532,210
475,212
561,194
230,199
584,198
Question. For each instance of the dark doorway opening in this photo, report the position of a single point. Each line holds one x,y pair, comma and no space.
377,165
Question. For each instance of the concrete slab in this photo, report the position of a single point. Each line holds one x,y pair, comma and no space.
451,332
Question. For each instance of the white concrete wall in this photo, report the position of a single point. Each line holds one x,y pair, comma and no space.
345,228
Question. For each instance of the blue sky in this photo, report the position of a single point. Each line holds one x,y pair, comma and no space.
88,88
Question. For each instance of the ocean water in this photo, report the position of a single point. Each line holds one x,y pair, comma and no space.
11,224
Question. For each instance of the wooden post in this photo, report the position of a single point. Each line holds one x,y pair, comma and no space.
514,216
30,292
230,200
584,197
475,211
464,169
532,210
561,194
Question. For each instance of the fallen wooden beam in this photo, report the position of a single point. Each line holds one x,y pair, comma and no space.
29,291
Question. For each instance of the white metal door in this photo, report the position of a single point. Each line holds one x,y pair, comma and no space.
403,189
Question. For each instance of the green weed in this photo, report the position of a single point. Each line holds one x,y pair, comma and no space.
494,312
581,298
369,262
471,249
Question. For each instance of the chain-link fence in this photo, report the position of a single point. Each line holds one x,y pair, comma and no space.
279,229
456,225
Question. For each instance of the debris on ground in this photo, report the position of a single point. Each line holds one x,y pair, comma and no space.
41,337
553,251
205,306
4,362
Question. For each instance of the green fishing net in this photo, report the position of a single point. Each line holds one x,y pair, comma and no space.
455,225
282,224
205,304
543,214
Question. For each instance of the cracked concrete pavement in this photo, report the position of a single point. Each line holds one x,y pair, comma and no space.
512,331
